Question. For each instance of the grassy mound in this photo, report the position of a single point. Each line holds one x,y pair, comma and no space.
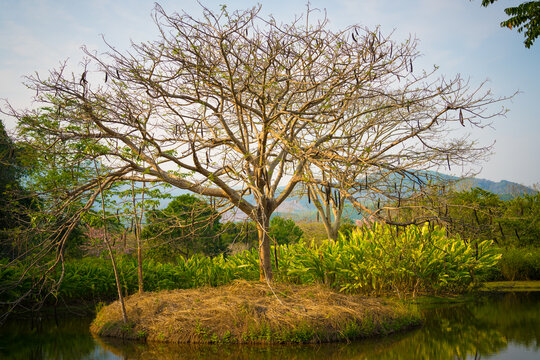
251,312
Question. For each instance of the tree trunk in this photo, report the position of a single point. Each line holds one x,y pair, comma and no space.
331,232
139,267
265,257
138,222
118,285
108,243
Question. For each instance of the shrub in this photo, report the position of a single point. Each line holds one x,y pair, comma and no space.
382,258
520,264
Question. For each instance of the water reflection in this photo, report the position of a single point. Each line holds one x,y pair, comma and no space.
25,339
496,327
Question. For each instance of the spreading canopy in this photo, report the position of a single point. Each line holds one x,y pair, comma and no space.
234,104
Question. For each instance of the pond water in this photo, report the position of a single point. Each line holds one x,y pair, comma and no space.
503,326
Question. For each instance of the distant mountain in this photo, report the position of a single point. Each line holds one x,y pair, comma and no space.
503,188
298,207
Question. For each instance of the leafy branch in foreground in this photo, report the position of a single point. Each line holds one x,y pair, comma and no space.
525,16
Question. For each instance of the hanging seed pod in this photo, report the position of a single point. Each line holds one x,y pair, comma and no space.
106,76
410,61
502,232
318,217
83,80
354,39
517,235
308,196
207,157
117,74
448,161
378,203
366,183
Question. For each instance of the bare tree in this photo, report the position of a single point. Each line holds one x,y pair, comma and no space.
235,104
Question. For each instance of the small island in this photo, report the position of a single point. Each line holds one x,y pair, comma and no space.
253,312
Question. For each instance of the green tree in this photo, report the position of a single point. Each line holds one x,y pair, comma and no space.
10,174
188,225
59,187
244,232
521,220
474,214
284,231
525,16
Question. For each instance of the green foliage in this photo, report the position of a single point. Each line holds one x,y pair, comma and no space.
525,16
480,215
370,260
521,220
473,213
520,264
383,259
188,225
240,232
93,278
12,202
10,169
285,231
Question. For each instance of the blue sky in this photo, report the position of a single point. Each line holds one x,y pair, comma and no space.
459,36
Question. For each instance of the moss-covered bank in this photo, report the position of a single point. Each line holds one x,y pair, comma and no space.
251,312
510,286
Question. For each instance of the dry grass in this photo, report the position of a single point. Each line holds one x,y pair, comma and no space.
249,312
